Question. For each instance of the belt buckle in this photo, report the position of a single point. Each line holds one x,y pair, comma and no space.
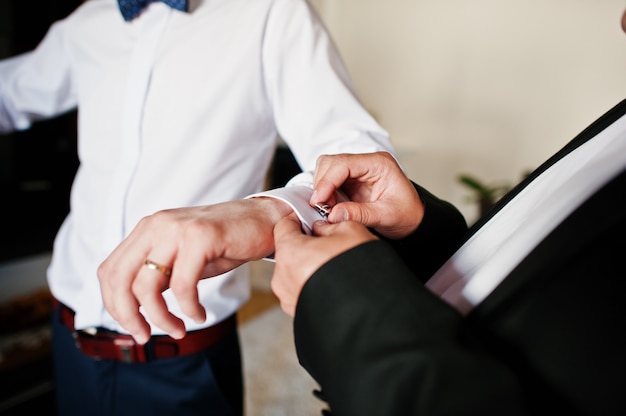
125,347
128,349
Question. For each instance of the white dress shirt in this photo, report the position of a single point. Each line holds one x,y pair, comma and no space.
179,109
485,260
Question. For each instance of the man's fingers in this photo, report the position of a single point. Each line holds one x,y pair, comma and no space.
324,193
287,227
330,174
155,307
147,288
187,273
126,313
116,276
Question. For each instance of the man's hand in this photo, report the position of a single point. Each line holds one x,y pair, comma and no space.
192,243
381,196
298,255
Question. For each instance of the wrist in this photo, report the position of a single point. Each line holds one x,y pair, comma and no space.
274,208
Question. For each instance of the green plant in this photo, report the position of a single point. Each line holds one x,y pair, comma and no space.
485,194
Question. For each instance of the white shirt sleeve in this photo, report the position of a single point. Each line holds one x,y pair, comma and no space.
37,84
10,117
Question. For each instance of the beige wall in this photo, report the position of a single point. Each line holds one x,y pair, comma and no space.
487,87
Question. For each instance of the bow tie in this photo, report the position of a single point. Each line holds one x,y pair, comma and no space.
131,8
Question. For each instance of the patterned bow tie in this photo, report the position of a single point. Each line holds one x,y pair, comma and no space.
131,8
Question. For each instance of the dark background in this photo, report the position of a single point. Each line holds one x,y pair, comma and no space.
37,166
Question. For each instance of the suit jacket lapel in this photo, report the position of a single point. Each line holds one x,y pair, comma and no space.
594,219
596,127
594,216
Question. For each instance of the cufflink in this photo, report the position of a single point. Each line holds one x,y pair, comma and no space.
323,209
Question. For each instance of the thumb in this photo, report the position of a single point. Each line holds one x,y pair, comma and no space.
323,228
286,227
361,212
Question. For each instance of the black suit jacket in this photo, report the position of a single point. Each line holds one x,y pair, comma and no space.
547,340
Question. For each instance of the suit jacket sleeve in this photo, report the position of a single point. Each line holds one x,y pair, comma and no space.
439,235
379,343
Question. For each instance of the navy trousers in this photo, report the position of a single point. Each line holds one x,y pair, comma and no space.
207,383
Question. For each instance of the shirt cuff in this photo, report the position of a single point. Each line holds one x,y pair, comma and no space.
297,194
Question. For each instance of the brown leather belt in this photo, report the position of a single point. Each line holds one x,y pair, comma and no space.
102,343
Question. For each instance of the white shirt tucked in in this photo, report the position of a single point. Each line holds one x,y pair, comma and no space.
179,109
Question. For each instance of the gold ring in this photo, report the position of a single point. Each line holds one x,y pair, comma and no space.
159,267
